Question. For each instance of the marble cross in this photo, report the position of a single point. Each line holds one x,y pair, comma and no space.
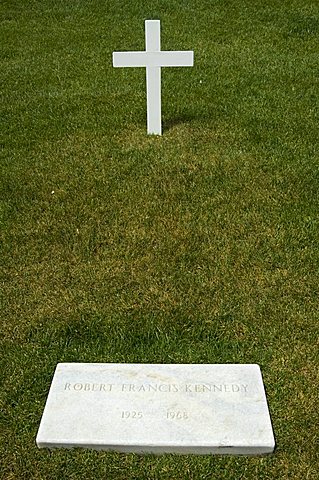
153,59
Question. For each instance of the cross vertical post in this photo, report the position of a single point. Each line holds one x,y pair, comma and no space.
153,79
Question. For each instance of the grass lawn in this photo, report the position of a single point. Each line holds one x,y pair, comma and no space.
200,246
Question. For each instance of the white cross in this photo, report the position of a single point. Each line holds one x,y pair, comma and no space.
153,59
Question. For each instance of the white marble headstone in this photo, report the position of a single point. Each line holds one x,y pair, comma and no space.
219,409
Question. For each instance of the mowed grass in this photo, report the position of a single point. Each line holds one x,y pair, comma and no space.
200,246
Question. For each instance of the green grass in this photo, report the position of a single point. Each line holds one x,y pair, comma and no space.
197,247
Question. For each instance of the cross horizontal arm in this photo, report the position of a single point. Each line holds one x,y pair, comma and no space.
153,59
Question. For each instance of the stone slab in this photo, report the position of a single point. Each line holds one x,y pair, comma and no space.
158,408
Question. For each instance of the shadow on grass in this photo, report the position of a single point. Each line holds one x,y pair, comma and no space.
179,120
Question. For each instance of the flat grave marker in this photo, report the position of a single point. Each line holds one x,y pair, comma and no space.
158,408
